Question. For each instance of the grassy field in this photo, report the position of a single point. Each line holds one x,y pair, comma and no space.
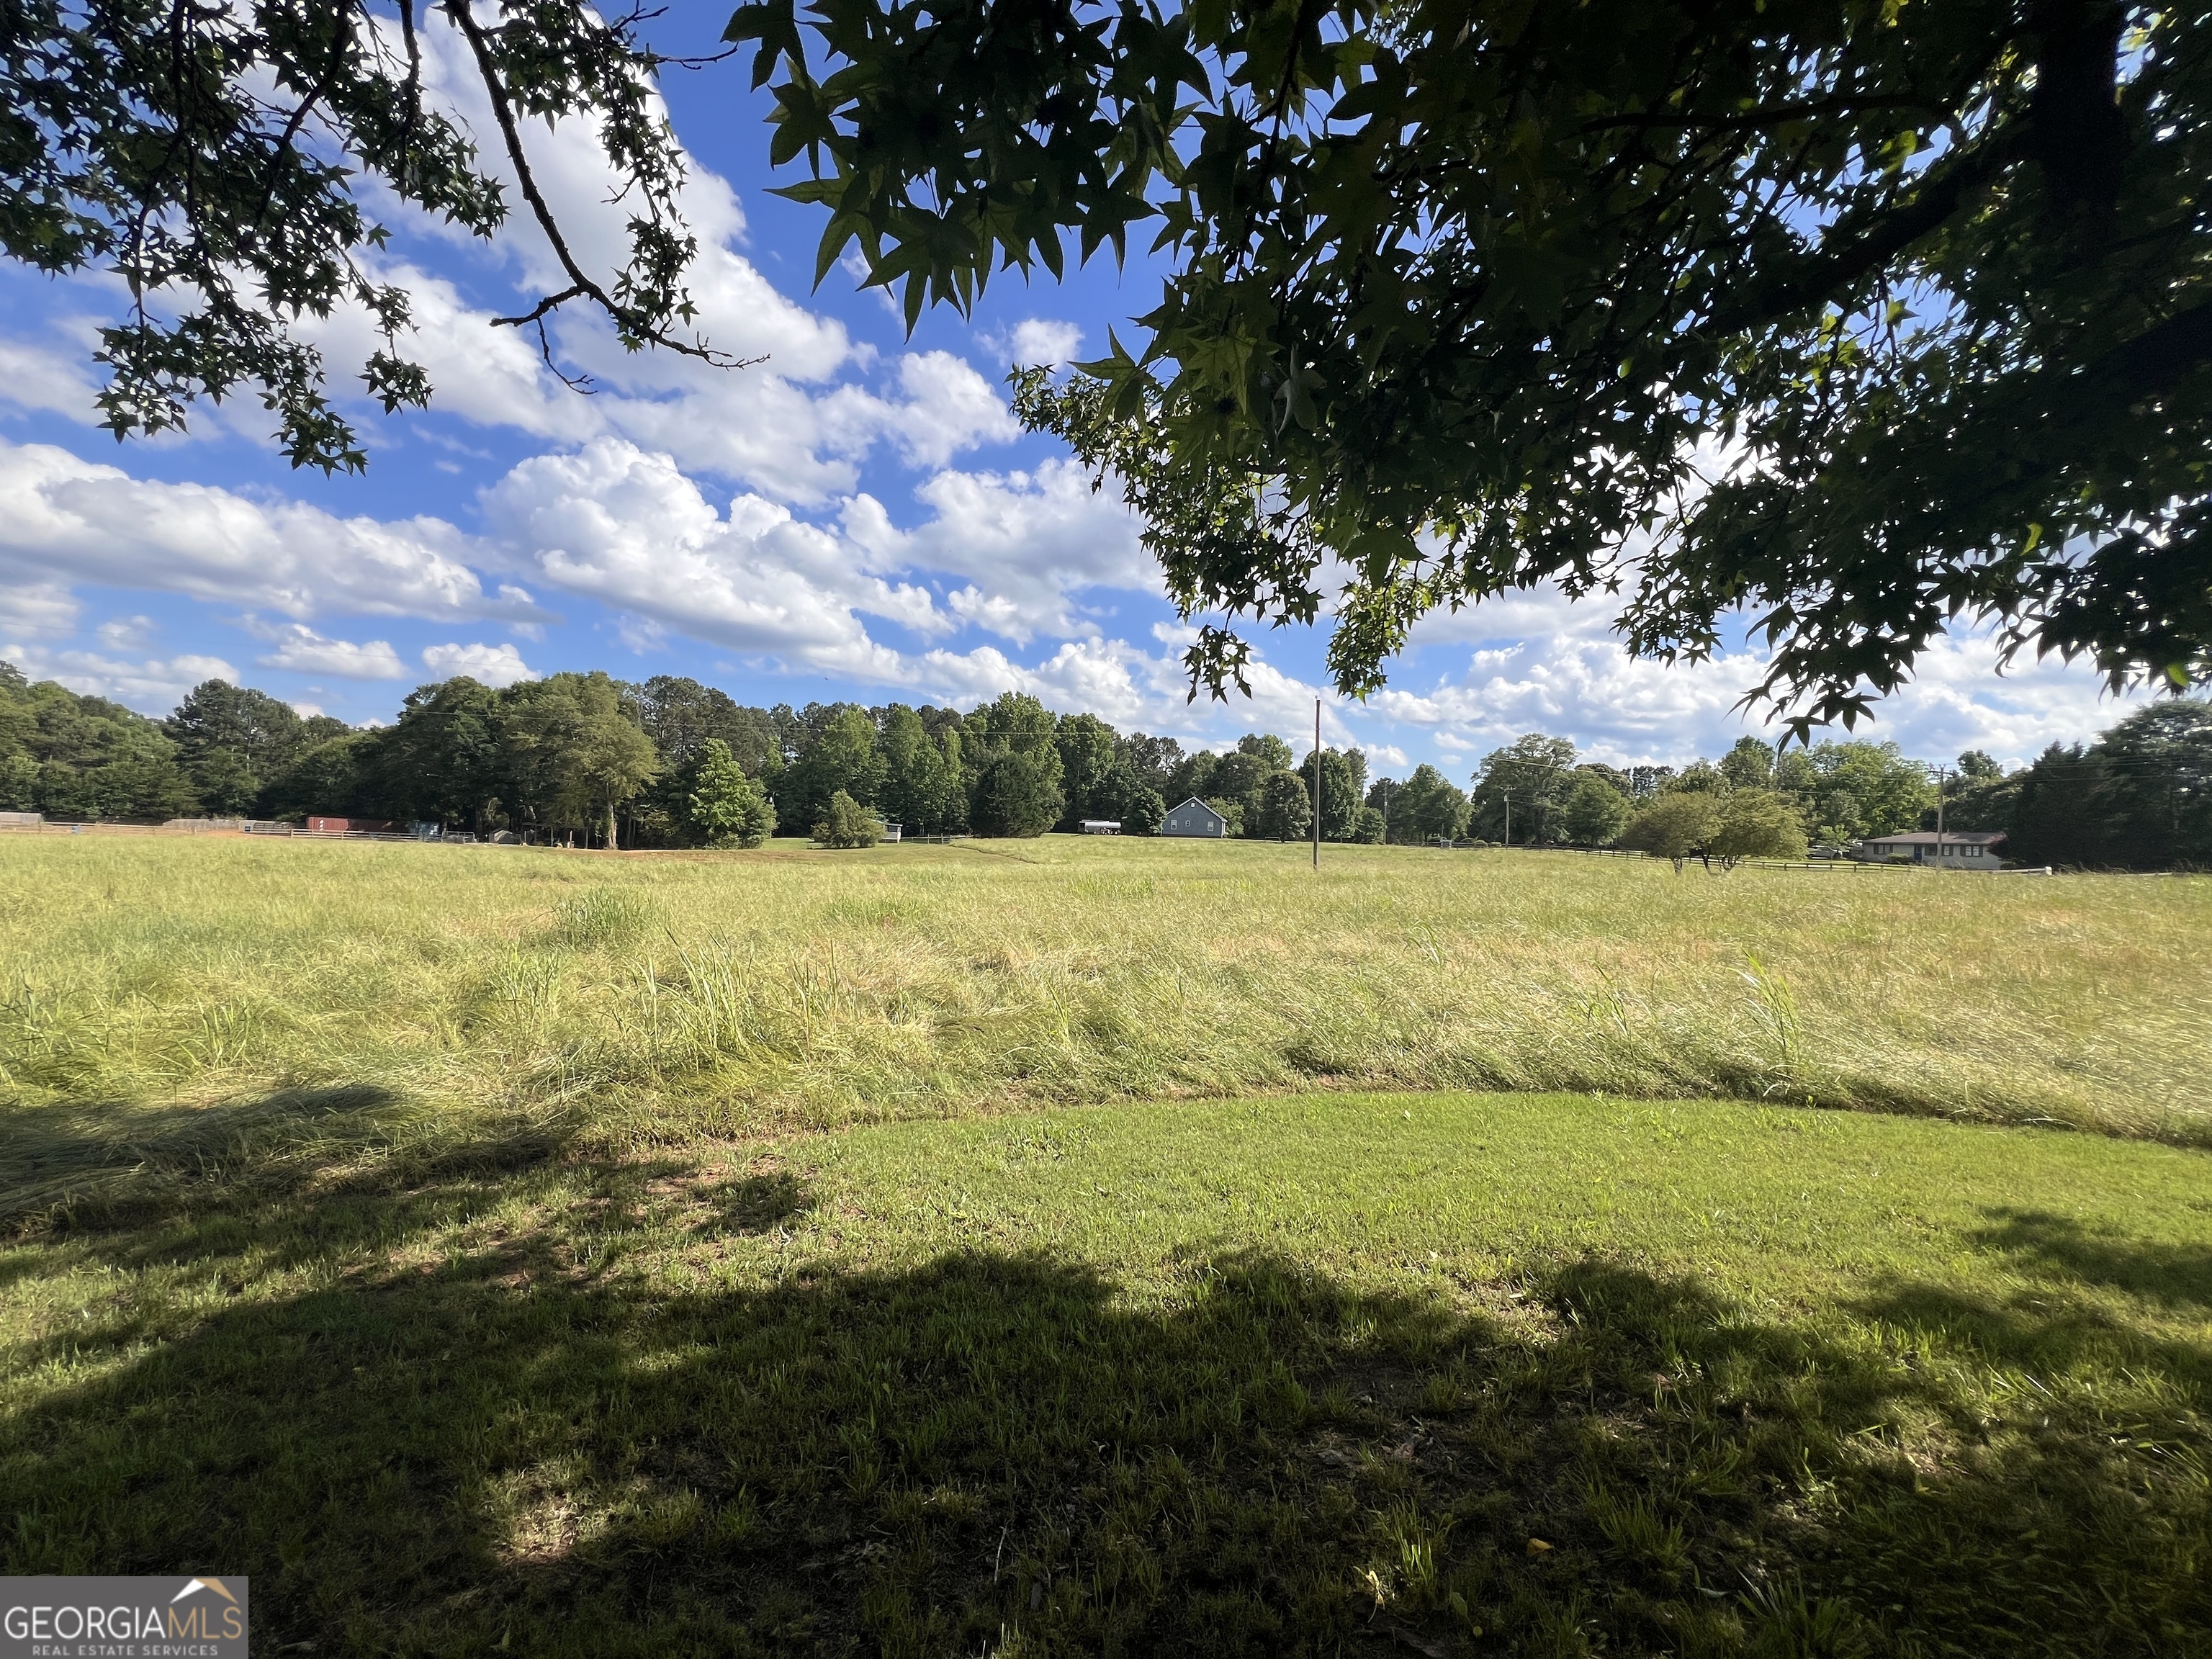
1316,1375
1010,1250
660,997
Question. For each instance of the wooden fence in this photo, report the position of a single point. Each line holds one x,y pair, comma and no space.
30,823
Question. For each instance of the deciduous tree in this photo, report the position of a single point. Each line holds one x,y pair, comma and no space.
455,753
1536,771
1749,764
1429,807
1463,297
1152,760
574,745
845,823
1343,782
327,778
1594,814
922,786
1674,826
1756,824
844,755
1285,808
1854,790
1087,757
231,165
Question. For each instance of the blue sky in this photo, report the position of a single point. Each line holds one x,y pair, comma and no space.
858,516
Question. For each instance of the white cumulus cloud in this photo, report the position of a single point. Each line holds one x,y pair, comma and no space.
126,633
42,379
36,607
67,521
1046,341
154,686
496,666
946,407
630,529
303,651
1541,662
1029,546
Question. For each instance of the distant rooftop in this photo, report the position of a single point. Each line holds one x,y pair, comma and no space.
1929,838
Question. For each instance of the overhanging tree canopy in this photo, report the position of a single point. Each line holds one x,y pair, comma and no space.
1863,315
214,157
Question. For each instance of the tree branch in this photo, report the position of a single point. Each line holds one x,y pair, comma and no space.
343,15
2155,359
581,286
1759,119
1848,252
2077,133
412,89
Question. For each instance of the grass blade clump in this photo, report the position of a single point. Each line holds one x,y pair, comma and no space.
601,918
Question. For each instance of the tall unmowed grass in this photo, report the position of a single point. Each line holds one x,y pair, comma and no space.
169,997
444,1234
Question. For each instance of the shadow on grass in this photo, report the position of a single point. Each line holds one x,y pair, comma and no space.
549,1441
2061,1248
755,1204
112,1163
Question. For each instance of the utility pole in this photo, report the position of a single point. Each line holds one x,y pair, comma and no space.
1507,794
1316,815
1386,812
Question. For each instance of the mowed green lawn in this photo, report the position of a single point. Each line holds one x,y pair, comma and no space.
369,1239
1280,1376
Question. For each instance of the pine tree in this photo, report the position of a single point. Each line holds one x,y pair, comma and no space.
727,808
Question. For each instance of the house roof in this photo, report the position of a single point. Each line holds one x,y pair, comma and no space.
1929,838
1201,806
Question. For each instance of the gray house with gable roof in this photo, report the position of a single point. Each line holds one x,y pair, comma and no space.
1195,817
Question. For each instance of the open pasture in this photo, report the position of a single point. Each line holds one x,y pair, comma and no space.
652,998
1068,1248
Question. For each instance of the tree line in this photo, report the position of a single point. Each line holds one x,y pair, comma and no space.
2138,797
670,762
665,762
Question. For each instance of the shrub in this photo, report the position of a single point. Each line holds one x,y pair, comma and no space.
846,823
